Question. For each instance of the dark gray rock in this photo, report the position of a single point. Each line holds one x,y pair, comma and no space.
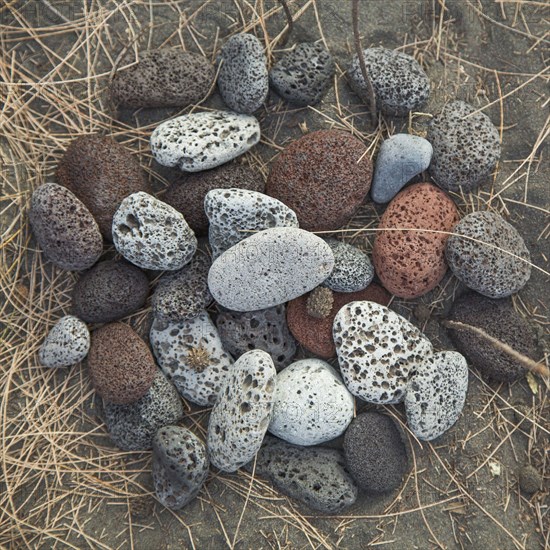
353,270
67,343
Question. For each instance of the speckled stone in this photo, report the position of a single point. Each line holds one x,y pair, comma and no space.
320,177
67,343
109,291
163,78
101,173
411,263
303,75
400,84
353,270
466,147
496,269
121,366
64,228
151,234
243,79
200,141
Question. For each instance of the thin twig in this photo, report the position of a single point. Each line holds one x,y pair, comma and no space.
289,20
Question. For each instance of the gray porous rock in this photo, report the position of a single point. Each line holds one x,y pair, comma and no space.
353,270
67,343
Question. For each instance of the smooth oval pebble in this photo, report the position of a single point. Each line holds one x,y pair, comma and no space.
377,350
243,78
151,234
180,466
400,159
66,344
64,228
353,270
269,268
491,258
436,393
200,141
311,405
240,417
411,263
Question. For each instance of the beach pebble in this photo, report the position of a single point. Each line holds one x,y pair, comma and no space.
411,263
67,343
151,234
303,75
191,355
311,405
496,269
109,291
324,177
163,78
101,173
353,270
375,452
466,147
241,415
315,476
64,228
180,466
436,393
265,329
132,427
400,159
200,141
400,84
269,268
377,350
243,80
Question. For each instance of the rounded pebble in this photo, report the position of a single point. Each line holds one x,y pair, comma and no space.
530,479
67,343
353,270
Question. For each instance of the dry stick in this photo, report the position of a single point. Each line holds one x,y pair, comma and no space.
290,22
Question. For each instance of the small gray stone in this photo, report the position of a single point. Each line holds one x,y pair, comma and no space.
235,213
180,466
311,404
240,417
67,343
353,270
151,234
436,393
243,79
303,75
200,141
401,158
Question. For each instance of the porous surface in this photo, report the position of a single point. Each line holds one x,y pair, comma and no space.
132,427
303,75
109,291
199,141
353,270
401,158
187,193
101,173
488,255
319,302
400,84
243,79
240,417
235,213
311,405
315,476
183,294
411,263
377,350
436,393
66,344
64,228
315,334
466,147
269,268
191,355
376,456
121,366
163,78
324,177
151,234
530,479
498,319
180,466
265,329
